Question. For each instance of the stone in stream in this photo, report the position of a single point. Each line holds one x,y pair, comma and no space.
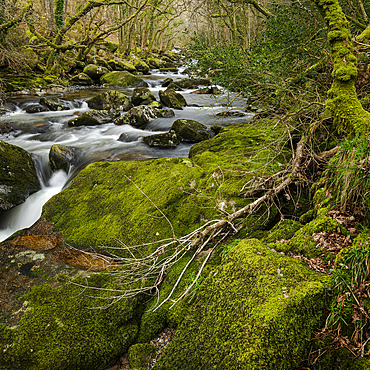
54,104
188,83
172,99
93,118
122,78
126,66
18,178
95,71
163,141
82,79
166,82
142,96
141,66
190,130
174,86
61,157
36,108
154,62
110,99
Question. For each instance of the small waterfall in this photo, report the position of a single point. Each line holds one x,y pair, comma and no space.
27,213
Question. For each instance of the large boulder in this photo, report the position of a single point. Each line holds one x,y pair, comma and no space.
95,71
127,66
61,157
55,104
172,99
110,99
163,141
188,83
137,116
18,178
154,62
93,118
82,79
142,95
257,310
191,130
122,78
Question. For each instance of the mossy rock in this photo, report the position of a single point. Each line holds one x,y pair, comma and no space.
188,83
284,230
122,78
171,99
93,118
257,310
61,157
154,62
55,104
169,69
142,95
190,130
95,71
163,141
141,66
63,328
127,66
110,99
141,354
18,178
103,204
30,56
138,116
81,79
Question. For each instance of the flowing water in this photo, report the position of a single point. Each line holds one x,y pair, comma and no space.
37,132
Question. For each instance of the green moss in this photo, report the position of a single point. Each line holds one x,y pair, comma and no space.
257,310
284,230
141,354
65,329
121,78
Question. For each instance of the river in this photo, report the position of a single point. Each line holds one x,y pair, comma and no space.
37,132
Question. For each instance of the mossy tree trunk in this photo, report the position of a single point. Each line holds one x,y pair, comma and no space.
345,108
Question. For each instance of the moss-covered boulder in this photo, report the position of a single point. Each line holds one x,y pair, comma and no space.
55,104
170,98
122,78
257,310
30,56
82,79
93,118
141,66
110,99
154,62
166,82
142,95
36,108
18,178
127,66
61,157
95,71
191,130
163,141
169,69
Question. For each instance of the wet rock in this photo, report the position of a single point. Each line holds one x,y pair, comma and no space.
124,137
4,111
95,71
190,130
173,69
163,141
174,86
141,66
137,116
122,78
36,108
231,113
61,157
167,81
155,104
172,99
142,96
110,99
93,118
113,64
18,178
82,79
55,104
187,83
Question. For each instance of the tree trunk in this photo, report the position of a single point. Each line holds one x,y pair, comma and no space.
345,108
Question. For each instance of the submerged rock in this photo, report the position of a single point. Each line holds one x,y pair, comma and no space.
142,95
18,178
93,118
172,99
163,141
110,99
122,78
191,130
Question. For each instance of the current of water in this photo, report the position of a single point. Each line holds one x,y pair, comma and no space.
37,132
